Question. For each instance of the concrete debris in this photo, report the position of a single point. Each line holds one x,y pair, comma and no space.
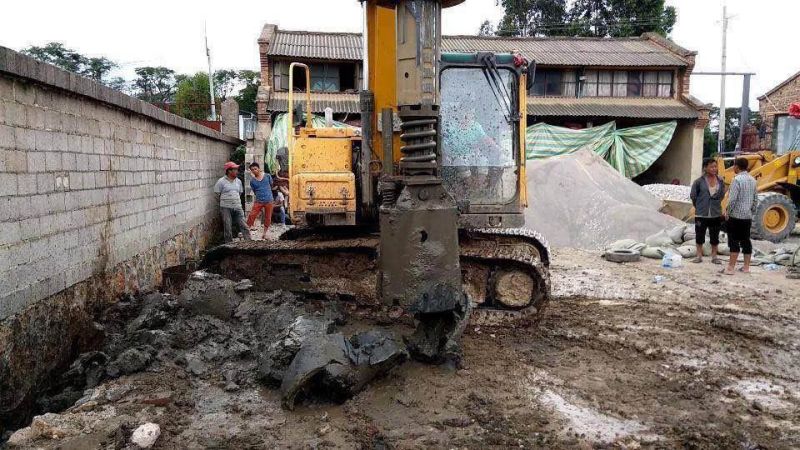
436,336
279,355
146,435
337,368
580,201
210,294
674,192
130,361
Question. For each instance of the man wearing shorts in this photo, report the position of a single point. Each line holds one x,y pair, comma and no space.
742,203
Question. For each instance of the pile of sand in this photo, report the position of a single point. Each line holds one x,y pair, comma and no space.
580,201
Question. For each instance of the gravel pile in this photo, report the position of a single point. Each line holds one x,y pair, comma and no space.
669,191
580,201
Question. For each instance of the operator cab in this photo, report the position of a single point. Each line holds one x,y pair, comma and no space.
482,136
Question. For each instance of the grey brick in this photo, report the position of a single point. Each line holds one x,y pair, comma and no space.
82,161
36,161
94,162
35,117
68,161
56,202
44,140
8,184
26,184
24,139
53,161
60,142
24,92
17,114
15,161
45,182
6,136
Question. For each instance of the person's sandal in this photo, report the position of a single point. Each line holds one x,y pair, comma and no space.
697,260
716,261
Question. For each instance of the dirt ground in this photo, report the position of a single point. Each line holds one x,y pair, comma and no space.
620,360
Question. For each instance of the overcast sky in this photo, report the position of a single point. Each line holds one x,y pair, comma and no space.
170,33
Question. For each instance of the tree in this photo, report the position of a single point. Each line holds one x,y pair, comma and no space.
247,94
191,97
68,59
486,29
533,18
154,84
225,81
590,18
621,18
732,127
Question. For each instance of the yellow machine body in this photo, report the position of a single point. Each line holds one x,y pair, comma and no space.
776,215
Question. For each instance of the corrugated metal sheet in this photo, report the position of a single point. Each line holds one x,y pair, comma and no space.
548,51
302,44
339,102
611,107
572,51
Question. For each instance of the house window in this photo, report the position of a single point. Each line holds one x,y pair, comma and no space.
554,83
280,76
325,77
627,83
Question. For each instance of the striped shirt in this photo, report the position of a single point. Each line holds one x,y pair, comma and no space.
743,197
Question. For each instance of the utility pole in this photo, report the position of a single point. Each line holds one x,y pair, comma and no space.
210,77
721,136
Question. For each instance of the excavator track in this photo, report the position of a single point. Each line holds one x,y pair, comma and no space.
504,271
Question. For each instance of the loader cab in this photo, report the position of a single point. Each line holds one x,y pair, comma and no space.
482,136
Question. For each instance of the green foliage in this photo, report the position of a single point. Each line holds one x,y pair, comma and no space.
589,18
225,82
247,94
486,29
154,84
732,123
192,97
238,154
533,18
57,54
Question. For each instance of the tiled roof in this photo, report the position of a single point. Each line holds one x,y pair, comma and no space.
642,108
572,51
637,51
304,44
338,101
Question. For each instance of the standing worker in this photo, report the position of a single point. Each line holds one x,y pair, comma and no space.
742,203
707,194
229,188
262,187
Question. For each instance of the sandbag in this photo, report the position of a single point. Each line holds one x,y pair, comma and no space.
660,239
687,251
653,252
783,259
707,249
689,235
623,244
676,234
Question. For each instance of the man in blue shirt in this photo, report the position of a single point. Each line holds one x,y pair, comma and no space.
262,188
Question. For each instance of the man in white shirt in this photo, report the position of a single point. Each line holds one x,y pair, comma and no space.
229,188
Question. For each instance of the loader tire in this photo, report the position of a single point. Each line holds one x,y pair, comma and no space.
622,256
775,217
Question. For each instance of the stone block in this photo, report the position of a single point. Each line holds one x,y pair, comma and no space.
15,161
53,161
93,162
44,140
24,139
34,117
60,142
24,92
8,184
68,161
26,184
82,161
36,161
45,182
6,137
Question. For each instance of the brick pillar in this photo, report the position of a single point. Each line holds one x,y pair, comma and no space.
230,118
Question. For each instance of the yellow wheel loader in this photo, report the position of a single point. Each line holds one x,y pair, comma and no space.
423,210
777,173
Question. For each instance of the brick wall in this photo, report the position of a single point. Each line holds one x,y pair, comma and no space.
98,192
777,103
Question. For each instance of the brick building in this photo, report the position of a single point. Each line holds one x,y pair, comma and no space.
775,103
580,82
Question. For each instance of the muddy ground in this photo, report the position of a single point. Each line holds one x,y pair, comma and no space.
697,360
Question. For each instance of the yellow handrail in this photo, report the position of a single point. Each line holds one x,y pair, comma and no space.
290,110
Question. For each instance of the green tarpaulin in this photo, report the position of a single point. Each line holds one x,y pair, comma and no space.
630,150
277,138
